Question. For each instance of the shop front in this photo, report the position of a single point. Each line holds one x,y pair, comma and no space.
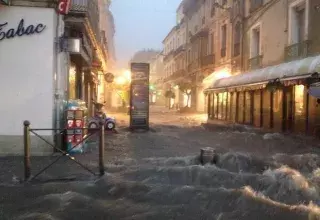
30,67
274,98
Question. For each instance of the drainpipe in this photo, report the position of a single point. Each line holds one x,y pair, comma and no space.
57,93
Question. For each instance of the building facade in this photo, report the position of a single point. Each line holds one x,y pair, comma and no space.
175,62
52,59
280,62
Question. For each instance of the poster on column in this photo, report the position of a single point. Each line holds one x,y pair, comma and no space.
139,96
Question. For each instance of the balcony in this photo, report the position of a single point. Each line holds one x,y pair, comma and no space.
88,9
193,65
177,74
179,50
297,51
204,32
255,62
207,60
255,4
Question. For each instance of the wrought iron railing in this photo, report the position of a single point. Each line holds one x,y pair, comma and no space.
193,65
298,50
255,4
89,9
255,62
207,60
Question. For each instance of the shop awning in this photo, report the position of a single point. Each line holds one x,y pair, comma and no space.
285,71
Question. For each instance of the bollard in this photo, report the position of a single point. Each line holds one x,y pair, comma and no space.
26,143
207,155
101,149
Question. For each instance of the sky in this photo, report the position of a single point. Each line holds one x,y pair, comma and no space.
141,24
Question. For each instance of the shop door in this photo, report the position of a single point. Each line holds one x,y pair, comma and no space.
288,109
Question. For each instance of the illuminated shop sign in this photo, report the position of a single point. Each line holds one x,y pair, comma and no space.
7,32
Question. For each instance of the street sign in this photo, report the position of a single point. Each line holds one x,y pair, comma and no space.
139,96
64,6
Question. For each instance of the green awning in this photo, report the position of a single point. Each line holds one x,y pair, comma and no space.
285,71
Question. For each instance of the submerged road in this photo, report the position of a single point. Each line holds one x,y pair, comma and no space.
157,175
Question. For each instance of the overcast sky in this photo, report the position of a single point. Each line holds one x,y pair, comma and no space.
141,24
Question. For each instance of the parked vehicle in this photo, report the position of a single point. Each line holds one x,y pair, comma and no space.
100,116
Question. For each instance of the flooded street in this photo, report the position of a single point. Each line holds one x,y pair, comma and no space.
158,175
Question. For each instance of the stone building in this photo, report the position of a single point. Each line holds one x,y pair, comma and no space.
279,64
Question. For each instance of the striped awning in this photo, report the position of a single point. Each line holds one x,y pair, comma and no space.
286,71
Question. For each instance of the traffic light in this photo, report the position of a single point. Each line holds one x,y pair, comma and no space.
151,87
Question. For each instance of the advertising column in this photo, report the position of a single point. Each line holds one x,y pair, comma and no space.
139,96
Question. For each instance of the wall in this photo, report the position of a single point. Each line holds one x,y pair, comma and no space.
27,73
273,37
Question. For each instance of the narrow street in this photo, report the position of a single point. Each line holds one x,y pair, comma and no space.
157,175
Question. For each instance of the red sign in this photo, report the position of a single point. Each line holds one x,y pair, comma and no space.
63,6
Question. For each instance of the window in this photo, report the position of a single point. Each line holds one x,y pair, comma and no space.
297,23
213,8
223,40
236,40
255,42
210,47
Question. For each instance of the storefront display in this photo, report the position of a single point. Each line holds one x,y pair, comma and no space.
76,117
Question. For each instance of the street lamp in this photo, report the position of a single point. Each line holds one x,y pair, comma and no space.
120,80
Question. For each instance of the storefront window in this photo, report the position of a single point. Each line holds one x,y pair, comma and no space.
248,105
224,105
220,106
240,107
215,105
299,99
72,82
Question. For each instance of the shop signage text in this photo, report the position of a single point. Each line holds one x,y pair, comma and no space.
63,7
20,30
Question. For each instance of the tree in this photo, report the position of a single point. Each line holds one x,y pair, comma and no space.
169,94
185,87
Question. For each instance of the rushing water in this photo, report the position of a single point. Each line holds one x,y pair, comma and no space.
237,187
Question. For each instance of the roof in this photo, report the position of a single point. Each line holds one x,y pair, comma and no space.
170,32
285,71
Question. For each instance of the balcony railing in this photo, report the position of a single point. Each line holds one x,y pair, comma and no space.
193,65
255,4
297,51
255,62
89,9
207,60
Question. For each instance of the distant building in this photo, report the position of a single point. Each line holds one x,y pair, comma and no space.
156,75
144,56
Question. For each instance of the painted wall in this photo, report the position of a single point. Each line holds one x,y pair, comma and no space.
27,71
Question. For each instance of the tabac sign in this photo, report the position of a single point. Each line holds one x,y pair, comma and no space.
9,31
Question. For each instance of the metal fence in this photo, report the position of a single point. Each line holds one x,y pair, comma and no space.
27,131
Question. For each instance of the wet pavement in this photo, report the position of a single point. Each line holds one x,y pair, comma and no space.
158,175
